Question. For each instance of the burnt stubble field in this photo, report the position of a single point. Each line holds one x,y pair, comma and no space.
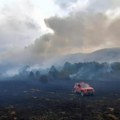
32,100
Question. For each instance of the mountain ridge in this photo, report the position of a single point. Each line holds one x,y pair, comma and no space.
107,55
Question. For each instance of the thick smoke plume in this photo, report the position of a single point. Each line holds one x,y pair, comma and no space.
80,32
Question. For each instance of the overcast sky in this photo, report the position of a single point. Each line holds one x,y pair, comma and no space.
43,28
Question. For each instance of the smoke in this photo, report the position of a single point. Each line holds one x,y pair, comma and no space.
65,4
91,5
80,31
17,26
103,5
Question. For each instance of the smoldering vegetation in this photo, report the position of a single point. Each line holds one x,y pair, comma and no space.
91,71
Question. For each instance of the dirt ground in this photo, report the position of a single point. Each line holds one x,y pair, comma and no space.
31,100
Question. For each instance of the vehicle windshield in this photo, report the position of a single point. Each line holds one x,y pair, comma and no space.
84,85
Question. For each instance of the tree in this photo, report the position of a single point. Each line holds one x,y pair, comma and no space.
53,73
31,75
44,79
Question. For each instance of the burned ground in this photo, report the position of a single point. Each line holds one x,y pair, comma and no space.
31,100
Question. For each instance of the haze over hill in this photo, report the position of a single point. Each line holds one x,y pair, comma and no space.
107,55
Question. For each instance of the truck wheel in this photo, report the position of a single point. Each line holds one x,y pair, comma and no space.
93,94
82,94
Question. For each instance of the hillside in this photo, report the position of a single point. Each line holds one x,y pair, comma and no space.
107,55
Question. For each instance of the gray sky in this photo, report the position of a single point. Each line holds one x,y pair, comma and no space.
35,30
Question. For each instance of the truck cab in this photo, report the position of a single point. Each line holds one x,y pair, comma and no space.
84,89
